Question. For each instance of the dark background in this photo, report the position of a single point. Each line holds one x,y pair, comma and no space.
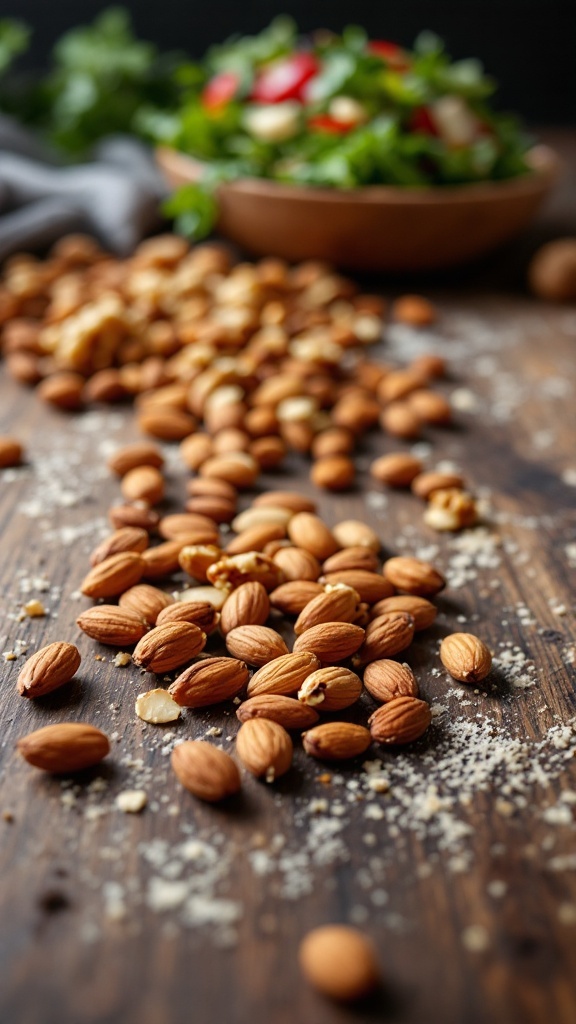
529,46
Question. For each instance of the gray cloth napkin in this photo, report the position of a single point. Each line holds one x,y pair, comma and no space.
115,197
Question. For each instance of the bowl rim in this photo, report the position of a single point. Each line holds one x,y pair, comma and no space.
544,162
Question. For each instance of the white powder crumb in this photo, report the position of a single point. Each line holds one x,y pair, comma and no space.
476,938
115,907
497,889
464,400
318,805
122,659
375,500
558,814
359,915
378,784
570,552
569,477
373,812
34,609
131,800
567,913
504,808
214,730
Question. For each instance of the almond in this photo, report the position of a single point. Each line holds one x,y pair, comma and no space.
195,449
237,468
385,680
143,483
62,389
48,668
308,531
284,675
117,627
401,720
465,657
371,586
146,601
255,539
431,407
332,441
336,741
398,384
413,576
133,455
255,644
162,560
199,613
331,641
351,533
385,636
451,509
265,748
285,499
132,515
248,605
156,707
196,559
422,611
291,598
424,485
210,487
351,558
338,603
183,524
221,510
297,564
68,747
210,594
10,452
209,681
399,420
169,646
398,469
289,713
206,771
232,570
265,515
340,962
333,472
331,688
414,310
128,538
114,575
166,423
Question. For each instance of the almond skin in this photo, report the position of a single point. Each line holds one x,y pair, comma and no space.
169,646
371,586
308,531
340,962
413,576
114,575
336,741
146,601
422,611
284,675
248,605
289,713
255,644
199,613
207,772
48,669
402,720
331,641
292,597
331,688
128,538
386,679
465,657
68,747
209,681
117,627
336,604
385,636
265,748
357,557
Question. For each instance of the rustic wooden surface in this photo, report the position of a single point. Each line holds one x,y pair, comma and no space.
76,950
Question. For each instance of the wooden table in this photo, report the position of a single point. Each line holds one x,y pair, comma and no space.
464,872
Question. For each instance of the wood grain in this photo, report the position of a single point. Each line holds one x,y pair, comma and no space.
76,950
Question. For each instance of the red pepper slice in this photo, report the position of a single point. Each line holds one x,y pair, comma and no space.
393,54
325,123
285,79
421,121
220,90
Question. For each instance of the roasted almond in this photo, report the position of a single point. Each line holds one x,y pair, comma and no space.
265,515
338,603
371,586
133,515
285,499
385,636
336,741
237,468
62,389
67,747
196,559
401,720
331,688
162,560
351,558
465,657
166,423
133,455
248,605
10,452
199,613
143,483
183,524
308,531
413,576
195,449
399,420
146,601
289,713
297,564
221,510
398,469
330,641
292,597
385,680
169,646
284,675
255,539
48,668
114,575
209,681
414,310
352,533
451,510
340,962
232,570
333,472
128,538
211,487
431,407
109,624
265,748
206,771
422,611
255,644
424,485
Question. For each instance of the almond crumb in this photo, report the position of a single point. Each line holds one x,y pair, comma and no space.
131,801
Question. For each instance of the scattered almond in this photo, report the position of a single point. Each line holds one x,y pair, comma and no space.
133,455
290,713
386,635
292,597
156,707
465,657
331,641
206,771
10,452
308,531
414,576
255,644
114,575
168,646
128,538
109,624
340,962
338,603
336,741
265,748
48,669
422,611
402,720
209,681
398,469
146,601
331,688
64,748
248,605
199,613
386,679
371,586
284,675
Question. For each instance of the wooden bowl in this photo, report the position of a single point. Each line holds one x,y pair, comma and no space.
377,227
